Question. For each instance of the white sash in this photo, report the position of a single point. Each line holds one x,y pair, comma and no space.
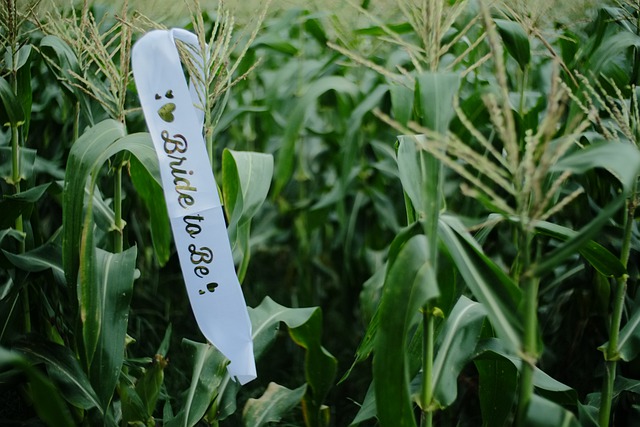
195,211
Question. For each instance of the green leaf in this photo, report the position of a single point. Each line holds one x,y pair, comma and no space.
133,408
401,28
149,385
545,385
246,178
515,40
48,403
65,371
63,64
597,255
434,99
114,285
613,45
27,158
488,283
402,98
269,408
543,413
628,340
266,318
14,205
84,158
409,284
305,328
368,341
47,256
11,114
414,174
25,92
150,191
319,365
622,161
497,389
209,368
276,43
368,408
455,348
285,158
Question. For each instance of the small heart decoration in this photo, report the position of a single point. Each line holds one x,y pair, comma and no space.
166,112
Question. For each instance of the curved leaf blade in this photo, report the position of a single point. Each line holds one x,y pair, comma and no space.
285,158
114,282
48,403
64,370
455,347
488,283
274,402
409,284
12,113
515,40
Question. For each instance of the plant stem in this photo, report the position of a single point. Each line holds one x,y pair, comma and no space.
529,285
427,372
611,353
523,85
16,176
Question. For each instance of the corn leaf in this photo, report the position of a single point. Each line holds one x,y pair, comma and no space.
114,275
269,408
622,161
319,368
84,158
209,368
629,339
542,412
246,178
488,283
11,113
515,40
305,328
434,99
47,402
455,347
285,158
150,191
409,284
64,370
597,255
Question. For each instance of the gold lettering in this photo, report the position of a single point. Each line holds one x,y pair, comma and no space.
172,145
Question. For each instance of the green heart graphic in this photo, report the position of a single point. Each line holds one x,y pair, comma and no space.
166,112
211,287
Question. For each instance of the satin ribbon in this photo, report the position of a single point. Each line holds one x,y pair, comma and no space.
195,210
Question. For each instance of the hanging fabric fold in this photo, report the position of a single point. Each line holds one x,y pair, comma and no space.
195,210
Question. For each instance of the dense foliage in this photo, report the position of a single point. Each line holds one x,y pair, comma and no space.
433,214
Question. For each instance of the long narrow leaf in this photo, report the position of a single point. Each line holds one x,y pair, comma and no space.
48,404
489,284
208,371
114,282
456,346
410,283
269,408
64,370
285,158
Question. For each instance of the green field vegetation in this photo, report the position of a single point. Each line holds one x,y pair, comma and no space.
449,237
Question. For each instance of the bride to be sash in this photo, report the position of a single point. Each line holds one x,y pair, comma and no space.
195,211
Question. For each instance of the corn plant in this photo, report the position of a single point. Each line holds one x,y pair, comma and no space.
518,172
